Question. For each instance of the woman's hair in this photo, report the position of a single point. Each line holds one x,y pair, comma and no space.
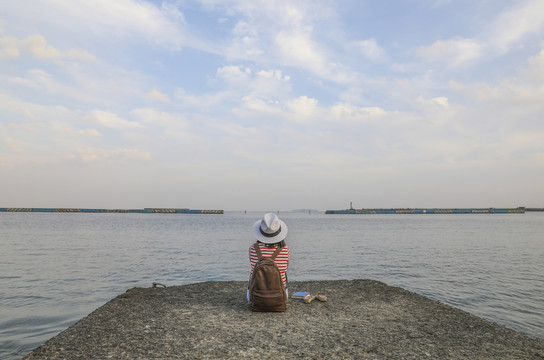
278,244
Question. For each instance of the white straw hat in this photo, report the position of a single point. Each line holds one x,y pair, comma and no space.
270,229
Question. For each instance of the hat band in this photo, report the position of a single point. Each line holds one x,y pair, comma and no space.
270,235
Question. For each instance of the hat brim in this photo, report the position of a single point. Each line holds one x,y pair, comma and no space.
269,240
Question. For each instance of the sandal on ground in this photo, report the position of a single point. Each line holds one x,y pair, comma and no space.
321,297
308,298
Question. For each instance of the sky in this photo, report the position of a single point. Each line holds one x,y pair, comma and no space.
271,105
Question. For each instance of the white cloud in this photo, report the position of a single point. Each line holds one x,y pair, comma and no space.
296,48
110,20
256,89
455,52
261,79
41,134
245,79
525,90
370,49
502,123
350,113
36,78
204,103
152,117
93,154
285,33
246,42
65,128
157,95
53,85
14,144
440,101
38,47
11,47
257,104
18,112
508,30
234,74
90,132
515,24
273,74
304,108
535,71
111,120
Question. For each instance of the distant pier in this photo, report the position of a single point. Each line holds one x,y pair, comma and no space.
117,211
519,210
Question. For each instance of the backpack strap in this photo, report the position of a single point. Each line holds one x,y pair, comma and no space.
260,255
276,253
258,251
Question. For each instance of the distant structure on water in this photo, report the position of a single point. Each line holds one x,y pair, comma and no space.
351,210
118,211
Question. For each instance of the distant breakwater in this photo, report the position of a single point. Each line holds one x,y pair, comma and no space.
519,210
117,211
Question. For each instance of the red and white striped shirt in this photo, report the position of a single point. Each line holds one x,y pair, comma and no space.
282,260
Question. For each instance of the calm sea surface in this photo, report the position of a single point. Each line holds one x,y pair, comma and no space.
55,268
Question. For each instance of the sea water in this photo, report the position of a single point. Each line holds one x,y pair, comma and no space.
55,268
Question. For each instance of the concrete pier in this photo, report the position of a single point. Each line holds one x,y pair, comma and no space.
363,319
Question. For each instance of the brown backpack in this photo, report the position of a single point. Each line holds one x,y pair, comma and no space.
266,288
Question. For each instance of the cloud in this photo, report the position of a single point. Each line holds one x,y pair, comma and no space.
37,46
350,113
17,112
535,71
440,101
244,78
90,133
455,52
206,102
152,117
525,89
370,49
157,95
508,30
93,154
48,135
36,78
296,48
11,47
246,42
130,20
111,120
14,144
285,33
304,108
241,84
234,74
501,123
50,84
514,25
